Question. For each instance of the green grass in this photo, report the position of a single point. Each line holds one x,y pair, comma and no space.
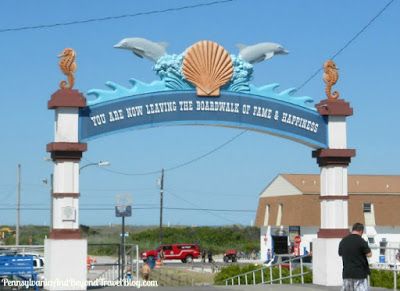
29,234
216,239
168,276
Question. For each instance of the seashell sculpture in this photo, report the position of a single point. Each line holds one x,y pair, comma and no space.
208,66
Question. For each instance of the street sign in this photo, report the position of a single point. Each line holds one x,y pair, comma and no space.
123,211
297,239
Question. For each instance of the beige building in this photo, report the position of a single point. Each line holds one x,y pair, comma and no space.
294,200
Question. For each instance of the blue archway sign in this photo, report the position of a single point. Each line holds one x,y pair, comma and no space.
185,108
173,100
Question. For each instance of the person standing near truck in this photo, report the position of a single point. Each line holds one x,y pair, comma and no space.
203,256
161,256
210,258
146,271
354,251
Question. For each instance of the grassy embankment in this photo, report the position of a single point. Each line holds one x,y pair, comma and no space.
216,239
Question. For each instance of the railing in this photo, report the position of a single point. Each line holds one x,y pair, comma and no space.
23,249
266,273
212,267
393,264
112,271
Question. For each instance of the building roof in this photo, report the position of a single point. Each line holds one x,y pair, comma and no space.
357,184
298,197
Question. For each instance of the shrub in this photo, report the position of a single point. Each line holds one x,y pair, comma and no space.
383,278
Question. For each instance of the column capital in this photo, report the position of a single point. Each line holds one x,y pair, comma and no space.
67,98
66,150
333,157
334,107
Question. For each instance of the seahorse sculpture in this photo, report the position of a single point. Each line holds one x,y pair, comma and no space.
331,76
68,67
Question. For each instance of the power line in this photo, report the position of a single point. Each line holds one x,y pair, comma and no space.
140,208
7,195
108,18
347,44
181,164
206,193
208,211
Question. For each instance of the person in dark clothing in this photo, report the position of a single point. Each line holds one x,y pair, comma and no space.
203,256
354,252
210,258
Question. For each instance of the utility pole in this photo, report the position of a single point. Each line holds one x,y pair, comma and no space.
161,203
123,248
18,204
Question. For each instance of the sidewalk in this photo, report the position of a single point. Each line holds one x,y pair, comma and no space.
305,287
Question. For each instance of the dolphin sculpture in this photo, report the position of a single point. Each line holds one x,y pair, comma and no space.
143,48
260,51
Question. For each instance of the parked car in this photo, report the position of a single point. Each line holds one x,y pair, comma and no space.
38,260
230,255
184,252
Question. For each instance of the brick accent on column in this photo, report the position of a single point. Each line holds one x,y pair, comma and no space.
67,98
333,232
333,197
62,195
66,150
336,107
333,157
65,233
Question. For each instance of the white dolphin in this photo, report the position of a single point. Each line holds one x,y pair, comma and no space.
143,47
260,51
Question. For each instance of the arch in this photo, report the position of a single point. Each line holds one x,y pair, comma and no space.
179,99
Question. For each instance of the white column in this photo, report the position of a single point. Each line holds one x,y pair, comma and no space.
66,207
65,250
333,161
337,133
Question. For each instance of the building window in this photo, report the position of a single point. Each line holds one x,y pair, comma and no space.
266,215
367,208
279,215
369,214
382,245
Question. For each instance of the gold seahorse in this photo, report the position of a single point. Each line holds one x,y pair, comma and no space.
331,76
68,67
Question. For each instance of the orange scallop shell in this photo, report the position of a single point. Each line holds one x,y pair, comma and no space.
208,66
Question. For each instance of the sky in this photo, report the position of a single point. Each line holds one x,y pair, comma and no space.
230,178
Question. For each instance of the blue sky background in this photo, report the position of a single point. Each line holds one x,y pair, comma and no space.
231,178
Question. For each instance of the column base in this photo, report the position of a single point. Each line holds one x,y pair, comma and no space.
327,264
65,264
